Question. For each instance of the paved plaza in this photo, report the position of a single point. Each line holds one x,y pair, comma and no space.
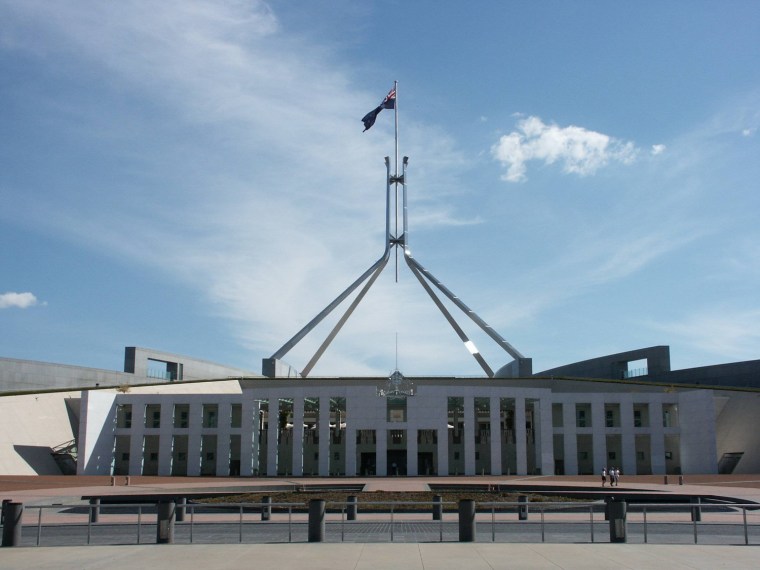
367,550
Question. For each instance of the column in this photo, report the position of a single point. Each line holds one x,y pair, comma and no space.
223,439
571,438
545,435
443,447
249,435
350,452
521,436
627,437
381,449
194,439
165,439
411,451
657,438
599,433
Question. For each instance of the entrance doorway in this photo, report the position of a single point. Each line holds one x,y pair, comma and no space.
367,463
425,465
396,462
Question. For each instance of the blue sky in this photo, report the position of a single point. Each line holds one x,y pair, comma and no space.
192,176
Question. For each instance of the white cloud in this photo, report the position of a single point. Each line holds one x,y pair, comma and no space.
282,206
748,132
658,149
580,151
725,332
17,300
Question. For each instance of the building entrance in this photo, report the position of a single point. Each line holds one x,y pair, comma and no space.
396,462
367,464
425,465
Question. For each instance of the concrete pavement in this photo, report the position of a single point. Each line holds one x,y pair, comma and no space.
454,556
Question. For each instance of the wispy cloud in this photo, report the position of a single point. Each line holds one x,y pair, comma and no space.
725,332
17,300
271,201
579,150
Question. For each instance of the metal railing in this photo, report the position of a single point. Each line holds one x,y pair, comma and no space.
497,517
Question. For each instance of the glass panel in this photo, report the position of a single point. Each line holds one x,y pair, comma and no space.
260,462
311,436
557,416
455,411
338,436
152,415
285,437
208,455
210,415
124,416
483,435
181,415
366,449
508,441
236,416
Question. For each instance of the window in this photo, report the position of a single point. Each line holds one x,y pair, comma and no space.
181,415
210,415
124,416
236,416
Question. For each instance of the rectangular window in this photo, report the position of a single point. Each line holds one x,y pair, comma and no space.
236,416
124,416
210,415
181,415
557,419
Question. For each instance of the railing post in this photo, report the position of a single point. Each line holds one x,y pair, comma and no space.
617,510
522,509
266,508
181,508
12,513
466,520
437,507
94,509
2,512
351,508
696,511
165,522
317,520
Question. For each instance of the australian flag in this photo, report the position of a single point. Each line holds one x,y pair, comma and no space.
388,103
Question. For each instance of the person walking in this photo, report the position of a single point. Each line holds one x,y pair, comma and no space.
604,477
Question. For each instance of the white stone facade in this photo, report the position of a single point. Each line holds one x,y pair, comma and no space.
336,427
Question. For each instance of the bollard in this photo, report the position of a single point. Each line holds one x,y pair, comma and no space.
94,509
165,522
437,507
126,480
680,479
351,508
266,508
12,513
696,511
666,479
2,511
466,520
113,481
522,510
317,520
617,521
181,503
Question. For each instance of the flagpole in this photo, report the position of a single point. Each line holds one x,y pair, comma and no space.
395,116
